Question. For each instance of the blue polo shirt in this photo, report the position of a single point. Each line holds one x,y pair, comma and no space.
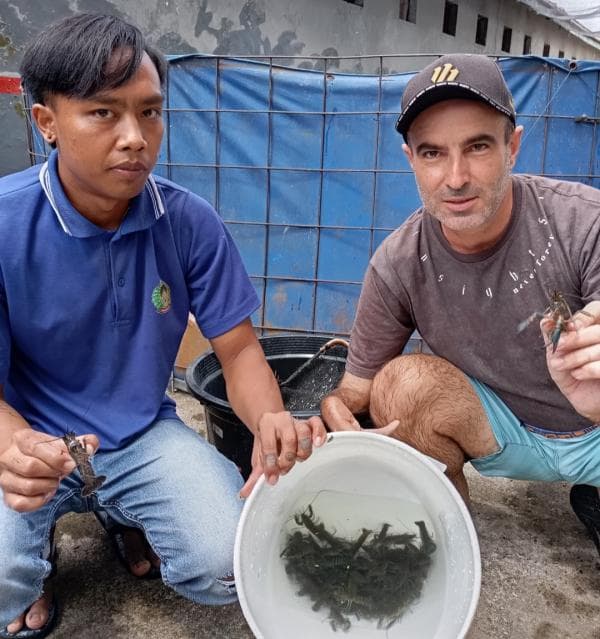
91,320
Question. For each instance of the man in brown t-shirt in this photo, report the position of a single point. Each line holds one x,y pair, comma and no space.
486,251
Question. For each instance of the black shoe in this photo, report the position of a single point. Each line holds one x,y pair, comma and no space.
585,502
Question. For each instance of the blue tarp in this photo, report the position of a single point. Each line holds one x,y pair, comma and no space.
307,169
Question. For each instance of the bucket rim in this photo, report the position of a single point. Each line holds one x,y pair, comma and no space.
214,401
211,400
431,464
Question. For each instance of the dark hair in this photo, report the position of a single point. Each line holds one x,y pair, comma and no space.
74,57
509,129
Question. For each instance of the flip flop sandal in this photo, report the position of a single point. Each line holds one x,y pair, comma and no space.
46,629
39,633
115,533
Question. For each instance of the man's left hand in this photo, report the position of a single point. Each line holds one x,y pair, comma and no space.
281,441
575,366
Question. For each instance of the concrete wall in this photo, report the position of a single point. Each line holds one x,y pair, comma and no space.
279,28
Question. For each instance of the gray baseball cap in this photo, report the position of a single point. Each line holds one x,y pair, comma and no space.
456,75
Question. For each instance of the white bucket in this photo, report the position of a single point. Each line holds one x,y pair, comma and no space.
358,480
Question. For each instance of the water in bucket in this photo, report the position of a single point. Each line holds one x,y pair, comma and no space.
358,480
353,516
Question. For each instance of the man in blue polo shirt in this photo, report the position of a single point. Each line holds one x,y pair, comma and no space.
100,264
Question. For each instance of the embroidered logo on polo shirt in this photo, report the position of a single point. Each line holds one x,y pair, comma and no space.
161,297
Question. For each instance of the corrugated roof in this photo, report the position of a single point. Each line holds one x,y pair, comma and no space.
580,17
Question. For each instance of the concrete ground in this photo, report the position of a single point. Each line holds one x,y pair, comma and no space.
541,573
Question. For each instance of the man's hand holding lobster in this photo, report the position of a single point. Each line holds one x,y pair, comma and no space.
575,364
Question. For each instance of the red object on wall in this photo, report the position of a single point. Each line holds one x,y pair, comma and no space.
10,84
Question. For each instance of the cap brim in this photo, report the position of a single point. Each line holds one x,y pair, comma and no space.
432,96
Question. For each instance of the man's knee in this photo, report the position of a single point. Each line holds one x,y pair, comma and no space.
410,385
203,577
439,411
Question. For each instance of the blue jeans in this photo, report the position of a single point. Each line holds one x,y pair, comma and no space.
170,483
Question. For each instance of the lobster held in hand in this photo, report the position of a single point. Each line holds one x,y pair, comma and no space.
558,312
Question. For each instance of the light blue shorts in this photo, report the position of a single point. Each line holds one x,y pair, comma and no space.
532,454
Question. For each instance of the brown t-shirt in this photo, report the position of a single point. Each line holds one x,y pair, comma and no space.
468,308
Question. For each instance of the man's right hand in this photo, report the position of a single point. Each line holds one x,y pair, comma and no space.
351,396
575,363
32,465
336,415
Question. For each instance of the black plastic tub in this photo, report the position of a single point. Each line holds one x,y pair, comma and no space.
285,354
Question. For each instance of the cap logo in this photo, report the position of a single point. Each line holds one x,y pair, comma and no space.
447,73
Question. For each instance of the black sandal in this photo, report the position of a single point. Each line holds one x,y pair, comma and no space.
39,633
115,532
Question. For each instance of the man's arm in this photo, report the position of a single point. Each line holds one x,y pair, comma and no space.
254,395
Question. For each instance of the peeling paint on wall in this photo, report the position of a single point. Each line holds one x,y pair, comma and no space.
248,40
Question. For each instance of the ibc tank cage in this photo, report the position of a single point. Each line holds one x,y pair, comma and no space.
301,159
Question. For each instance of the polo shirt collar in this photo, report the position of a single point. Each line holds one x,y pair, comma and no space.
144,209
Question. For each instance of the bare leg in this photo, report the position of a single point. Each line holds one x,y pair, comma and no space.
439,412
